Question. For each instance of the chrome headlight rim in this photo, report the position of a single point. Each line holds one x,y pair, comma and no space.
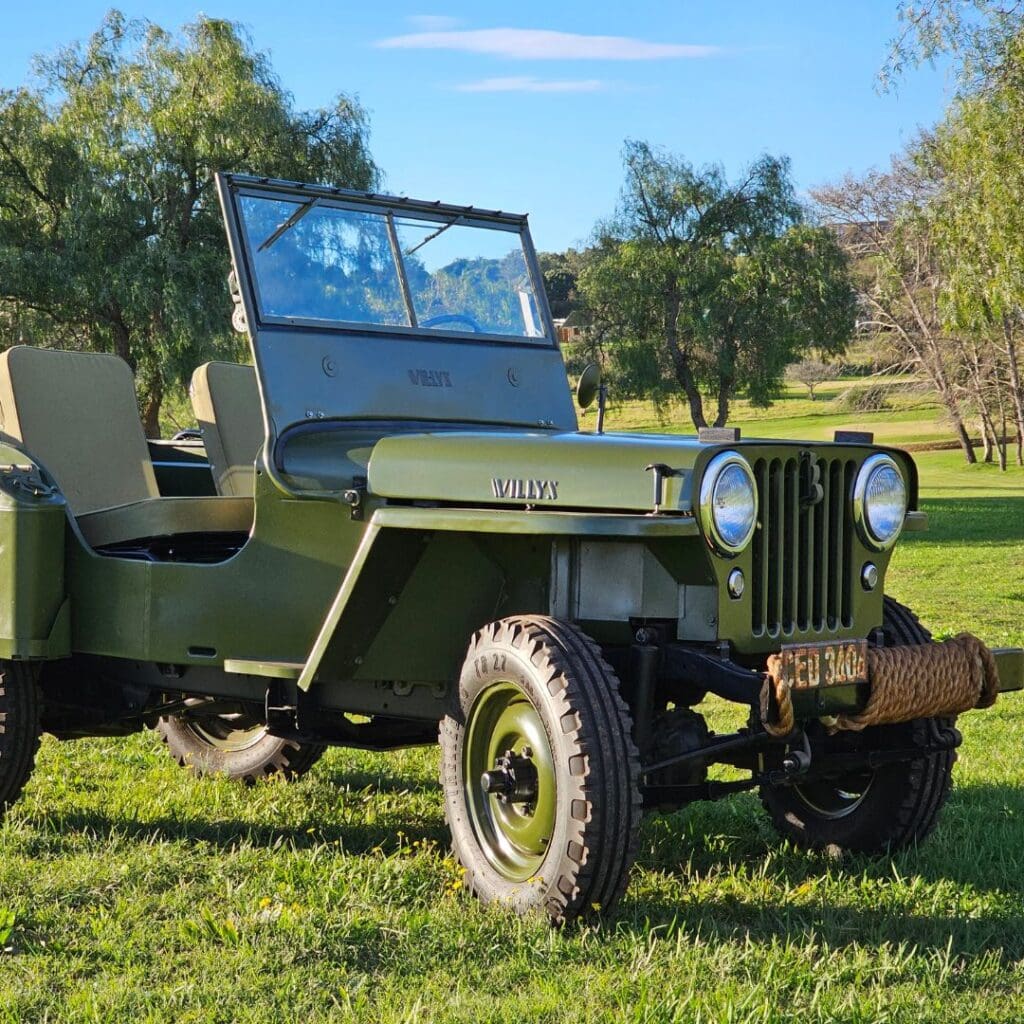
860,512
709,481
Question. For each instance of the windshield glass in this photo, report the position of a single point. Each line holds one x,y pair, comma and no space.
321,262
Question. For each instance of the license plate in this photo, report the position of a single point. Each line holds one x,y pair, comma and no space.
830,663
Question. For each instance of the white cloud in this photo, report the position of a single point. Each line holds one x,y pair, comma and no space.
433,22
527,83
539,44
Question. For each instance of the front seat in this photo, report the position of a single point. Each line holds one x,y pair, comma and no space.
226,401
76,413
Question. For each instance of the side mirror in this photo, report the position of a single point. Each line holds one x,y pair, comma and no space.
589,386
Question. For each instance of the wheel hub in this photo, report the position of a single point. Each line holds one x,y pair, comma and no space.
513,780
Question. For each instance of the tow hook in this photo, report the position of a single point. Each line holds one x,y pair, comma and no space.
794,764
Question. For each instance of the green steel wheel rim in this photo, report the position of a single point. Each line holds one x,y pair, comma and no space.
513,835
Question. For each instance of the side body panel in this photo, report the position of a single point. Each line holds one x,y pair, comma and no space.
265,603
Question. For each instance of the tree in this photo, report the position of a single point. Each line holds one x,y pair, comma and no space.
560,270
811,373
977,216
109,227
879,219
702,285
975,33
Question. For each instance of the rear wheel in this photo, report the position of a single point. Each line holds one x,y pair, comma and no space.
540,772
235,745
876,811
19,728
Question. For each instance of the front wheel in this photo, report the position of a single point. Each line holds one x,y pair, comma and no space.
540,773
234,745
871,812
19,728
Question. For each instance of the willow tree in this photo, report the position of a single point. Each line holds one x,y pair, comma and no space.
704,286
977,217
110,235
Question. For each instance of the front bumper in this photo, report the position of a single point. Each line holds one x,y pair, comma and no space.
1010,661
727,679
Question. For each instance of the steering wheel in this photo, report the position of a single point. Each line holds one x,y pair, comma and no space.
453,318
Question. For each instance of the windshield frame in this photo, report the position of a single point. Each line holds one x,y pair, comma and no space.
390,208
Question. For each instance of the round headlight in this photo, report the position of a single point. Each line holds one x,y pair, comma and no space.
728,502
880,501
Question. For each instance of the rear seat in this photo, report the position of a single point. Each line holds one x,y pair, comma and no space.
76,413
226,401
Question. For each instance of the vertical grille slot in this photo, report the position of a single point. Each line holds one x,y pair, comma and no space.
802,555
759,572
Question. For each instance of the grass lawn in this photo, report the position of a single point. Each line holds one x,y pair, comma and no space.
139,894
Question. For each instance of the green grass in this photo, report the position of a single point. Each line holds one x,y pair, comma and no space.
139,894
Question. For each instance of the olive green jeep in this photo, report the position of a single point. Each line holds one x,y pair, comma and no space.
392,524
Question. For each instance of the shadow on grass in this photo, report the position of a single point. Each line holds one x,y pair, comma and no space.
979,842
726,918
965,520
360,781
228,834
978,846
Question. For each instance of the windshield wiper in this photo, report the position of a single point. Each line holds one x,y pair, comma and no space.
288,224
441,230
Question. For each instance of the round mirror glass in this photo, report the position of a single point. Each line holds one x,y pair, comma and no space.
586,389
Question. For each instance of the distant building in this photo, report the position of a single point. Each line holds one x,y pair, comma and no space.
571,329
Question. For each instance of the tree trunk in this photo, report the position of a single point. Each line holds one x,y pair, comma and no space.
951,404
1016,390
972,362
964,438
986,441
685,377
724,391
681,365
122,338
929,357
151,403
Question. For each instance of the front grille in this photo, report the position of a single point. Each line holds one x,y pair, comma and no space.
803,551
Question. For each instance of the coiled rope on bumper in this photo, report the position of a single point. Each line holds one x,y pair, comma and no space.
935,680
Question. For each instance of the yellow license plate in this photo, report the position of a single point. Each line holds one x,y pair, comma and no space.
830,663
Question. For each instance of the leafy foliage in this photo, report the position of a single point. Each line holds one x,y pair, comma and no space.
701,284
561,273
975,33
976,157
110,237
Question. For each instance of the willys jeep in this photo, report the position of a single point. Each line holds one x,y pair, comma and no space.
392,525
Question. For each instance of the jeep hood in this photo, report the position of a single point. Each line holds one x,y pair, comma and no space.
567,470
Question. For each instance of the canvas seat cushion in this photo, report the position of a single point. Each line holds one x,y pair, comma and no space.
76,413
226,401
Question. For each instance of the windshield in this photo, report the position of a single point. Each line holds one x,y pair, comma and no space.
319,261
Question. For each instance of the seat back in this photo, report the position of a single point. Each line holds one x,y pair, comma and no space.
76,412
226,401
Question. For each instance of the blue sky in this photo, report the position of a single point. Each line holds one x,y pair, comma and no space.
525,107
